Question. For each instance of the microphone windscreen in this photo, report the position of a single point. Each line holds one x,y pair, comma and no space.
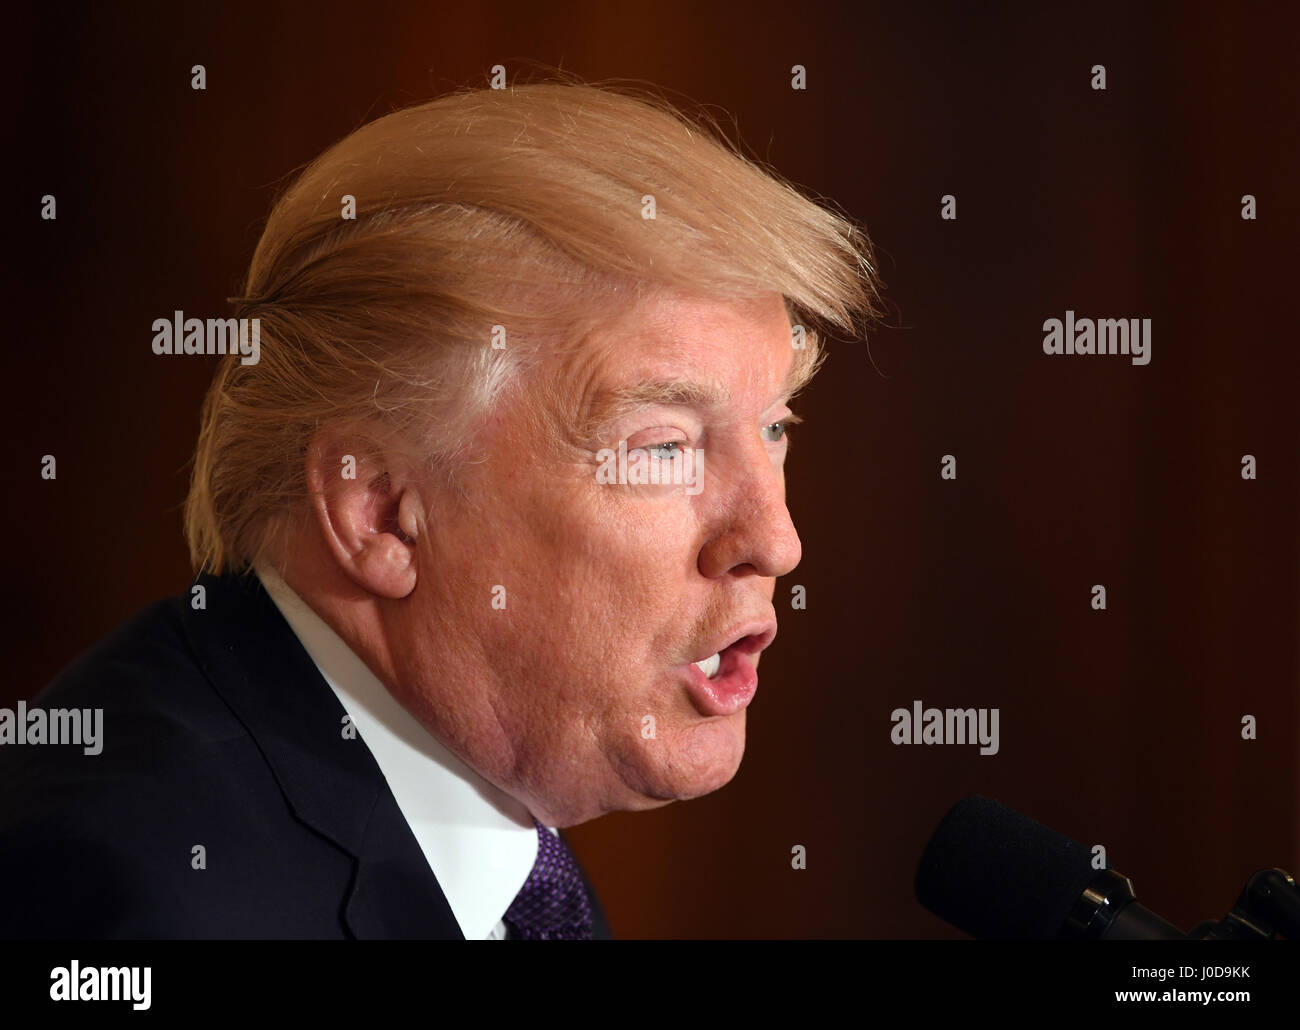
999,875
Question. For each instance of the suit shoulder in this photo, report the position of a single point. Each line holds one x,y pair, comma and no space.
132,724
145,674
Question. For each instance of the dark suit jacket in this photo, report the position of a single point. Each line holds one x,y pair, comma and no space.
218,731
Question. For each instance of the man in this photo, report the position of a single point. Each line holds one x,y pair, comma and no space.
487,538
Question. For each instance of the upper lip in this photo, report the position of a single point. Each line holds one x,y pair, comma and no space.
749,637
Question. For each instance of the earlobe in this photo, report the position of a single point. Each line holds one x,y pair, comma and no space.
386,568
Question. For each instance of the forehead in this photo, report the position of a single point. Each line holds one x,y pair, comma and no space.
687,350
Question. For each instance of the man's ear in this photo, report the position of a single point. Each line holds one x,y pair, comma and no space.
368,511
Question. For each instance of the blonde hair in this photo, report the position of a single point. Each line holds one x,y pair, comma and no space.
519,208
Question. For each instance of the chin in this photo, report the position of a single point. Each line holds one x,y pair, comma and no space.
698,759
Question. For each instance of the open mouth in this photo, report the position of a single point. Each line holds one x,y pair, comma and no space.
725,681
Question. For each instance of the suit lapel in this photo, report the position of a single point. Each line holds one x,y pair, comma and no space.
331,783
390,896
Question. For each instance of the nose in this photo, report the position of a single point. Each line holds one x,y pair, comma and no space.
755,534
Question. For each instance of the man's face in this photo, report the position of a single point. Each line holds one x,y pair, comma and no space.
551,636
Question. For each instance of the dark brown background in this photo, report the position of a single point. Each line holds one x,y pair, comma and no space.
1120,727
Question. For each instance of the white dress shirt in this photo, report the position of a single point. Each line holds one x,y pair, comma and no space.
480,842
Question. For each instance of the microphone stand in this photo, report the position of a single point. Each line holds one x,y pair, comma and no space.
1269,905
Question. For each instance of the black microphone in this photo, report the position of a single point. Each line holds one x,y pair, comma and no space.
999,875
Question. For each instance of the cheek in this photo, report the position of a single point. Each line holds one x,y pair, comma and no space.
592,577
590,542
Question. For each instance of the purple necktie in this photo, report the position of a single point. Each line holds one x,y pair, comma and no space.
552,905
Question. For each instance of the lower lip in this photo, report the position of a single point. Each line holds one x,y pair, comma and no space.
729,691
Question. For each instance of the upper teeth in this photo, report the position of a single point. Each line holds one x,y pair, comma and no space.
710,666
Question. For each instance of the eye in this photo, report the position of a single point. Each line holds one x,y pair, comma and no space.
670,451
778,430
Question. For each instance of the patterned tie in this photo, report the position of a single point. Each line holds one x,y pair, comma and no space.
552,905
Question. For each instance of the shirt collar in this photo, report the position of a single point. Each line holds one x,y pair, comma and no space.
479,841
